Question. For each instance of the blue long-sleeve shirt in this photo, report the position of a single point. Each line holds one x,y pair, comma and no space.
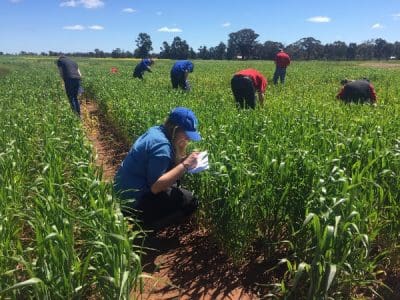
182,66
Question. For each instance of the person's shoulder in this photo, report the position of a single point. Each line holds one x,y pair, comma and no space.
157,134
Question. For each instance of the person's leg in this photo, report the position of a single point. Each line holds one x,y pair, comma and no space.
237,90
249,93
166,208
276,75
174,80
283,75
72,89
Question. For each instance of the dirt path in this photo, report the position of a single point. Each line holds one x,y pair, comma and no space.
184,262
109,148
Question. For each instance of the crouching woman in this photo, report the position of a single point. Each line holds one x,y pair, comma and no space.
152,167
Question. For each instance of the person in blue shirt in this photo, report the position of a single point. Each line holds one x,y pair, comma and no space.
147,177
179,74
143,66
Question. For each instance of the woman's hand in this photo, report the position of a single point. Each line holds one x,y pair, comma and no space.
190,162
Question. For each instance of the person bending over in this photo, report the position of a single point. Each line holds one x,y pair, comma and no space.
180,73
245,84
357,91
143,66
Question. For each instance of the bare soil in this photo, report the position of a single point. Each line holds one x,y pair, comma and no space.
109,148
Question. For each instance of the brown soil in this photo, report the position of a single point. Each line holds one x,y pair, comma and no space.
109,149
182,261
381,65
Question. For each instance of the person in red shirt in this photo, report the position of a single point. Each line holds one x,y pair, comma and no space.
282,60
245,84
357,91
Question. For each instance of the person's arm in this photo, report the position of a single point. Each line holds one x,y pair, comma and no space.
372,93
169,178
340,94
186,75
79,72
148,68
261,98
61,72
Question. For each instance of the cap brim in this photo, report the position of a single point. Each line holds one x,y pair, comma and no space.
193,135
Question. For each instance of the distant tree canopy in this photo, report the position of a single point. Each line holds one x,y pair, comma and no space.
179,49
144,45
244,43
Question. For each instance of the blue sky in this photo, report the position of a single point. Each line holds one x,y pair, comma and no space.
83,25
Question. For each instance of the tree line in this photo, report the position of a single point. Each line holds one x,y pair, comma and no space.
243,44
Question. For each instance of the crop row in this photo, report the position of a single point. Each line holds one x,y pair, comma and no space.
61,233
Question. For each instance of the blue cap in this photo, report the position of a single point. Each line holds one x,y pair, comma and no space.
185,119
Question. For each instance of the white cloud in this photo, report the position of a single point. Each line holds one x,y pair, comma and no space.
166,29
396,16
96,27
71,3
319,19
129,10
84,3
92,3
159,13
74,27
377,26
226,24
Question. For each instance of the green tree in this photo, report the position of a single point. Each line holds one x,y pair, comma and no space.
144,45
242,42
179,49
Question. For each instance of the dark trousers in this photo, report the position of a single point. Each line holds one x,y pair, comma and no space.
72,90
156,211
244,92
178,80
138,73
280,73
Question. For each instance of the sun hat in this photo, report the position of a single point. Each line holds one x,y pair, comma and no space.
186,119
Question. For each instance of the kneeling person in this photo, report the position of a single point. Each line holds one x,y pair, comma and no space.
156,161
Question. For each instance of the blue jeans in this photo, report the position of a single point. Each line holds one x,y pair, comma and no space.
72,90
279,73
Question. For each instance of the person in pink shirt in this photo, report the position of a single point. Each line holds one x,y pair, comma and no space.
282,60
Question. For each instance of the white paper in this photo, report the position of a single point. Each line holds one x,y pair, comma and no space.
202,163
